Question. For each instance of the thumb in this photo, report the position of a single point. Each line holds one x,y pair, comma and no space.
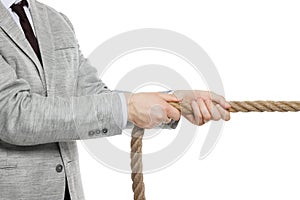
173,112
169,97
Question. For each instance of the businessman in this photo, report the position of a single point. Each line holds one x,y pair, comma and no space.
50,96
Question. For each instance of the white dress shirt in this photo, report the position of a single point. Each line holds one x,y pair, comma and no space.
8,3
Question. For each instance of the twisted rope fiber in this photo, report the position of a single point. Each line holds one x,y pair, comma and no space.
138,186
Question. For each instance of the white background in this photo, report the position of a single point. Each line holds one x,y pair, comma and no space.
255,46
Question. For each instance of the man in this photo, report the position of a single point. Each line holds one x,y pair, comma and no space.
50,96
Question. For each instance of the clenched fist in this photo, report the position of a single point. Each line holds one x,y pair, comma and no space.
205,105
150,109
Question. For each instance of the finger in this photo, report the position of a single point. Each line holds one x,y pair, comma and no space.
213,110
172,112
190,118
157,115
220,100
203,109
196,113
168,120
225,114
168,97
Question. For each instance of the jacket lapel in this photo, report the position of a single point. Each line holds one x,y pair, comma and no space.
13,31
43,31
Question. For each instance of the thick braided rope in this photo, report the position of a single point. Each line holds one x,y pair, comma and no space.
251,106
138,187
236,106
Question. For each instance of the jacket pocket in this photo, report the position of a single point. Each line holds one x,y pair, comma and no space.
6,168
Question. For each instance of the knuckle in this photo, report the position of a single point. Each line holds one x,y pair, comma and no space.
208,101
159,117
177,117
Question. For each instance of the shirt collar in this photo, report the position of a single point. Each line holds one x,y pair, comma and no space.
8,3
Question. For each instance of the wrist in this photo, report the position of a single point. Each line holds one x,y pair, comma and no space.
128,97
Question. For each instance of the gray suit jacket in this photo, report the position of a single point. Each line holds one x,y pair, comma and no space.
43,110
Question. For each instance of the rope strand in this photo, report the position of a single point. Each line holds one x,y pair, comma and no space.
138,187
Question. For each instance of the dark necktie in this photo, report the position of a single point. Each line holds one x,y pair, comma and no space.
26,26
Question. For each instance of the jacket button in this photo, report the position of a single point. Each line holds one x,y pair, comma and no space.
59,168
98,131
91,133
104,130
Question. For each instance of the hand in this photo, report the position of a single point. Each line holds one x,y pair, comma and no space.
148,110
205,105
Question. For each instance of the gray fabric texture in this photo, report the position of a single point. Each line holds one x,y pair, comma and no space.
45,109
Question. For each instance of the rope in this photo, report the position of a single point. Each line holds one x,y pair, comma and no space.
138,186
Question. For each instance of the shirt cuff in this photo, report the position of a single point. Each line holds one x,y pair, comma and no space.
167,91
124,109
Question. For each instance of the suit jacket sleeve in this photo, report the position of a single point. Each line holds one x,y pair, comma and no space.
28,118
89,83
